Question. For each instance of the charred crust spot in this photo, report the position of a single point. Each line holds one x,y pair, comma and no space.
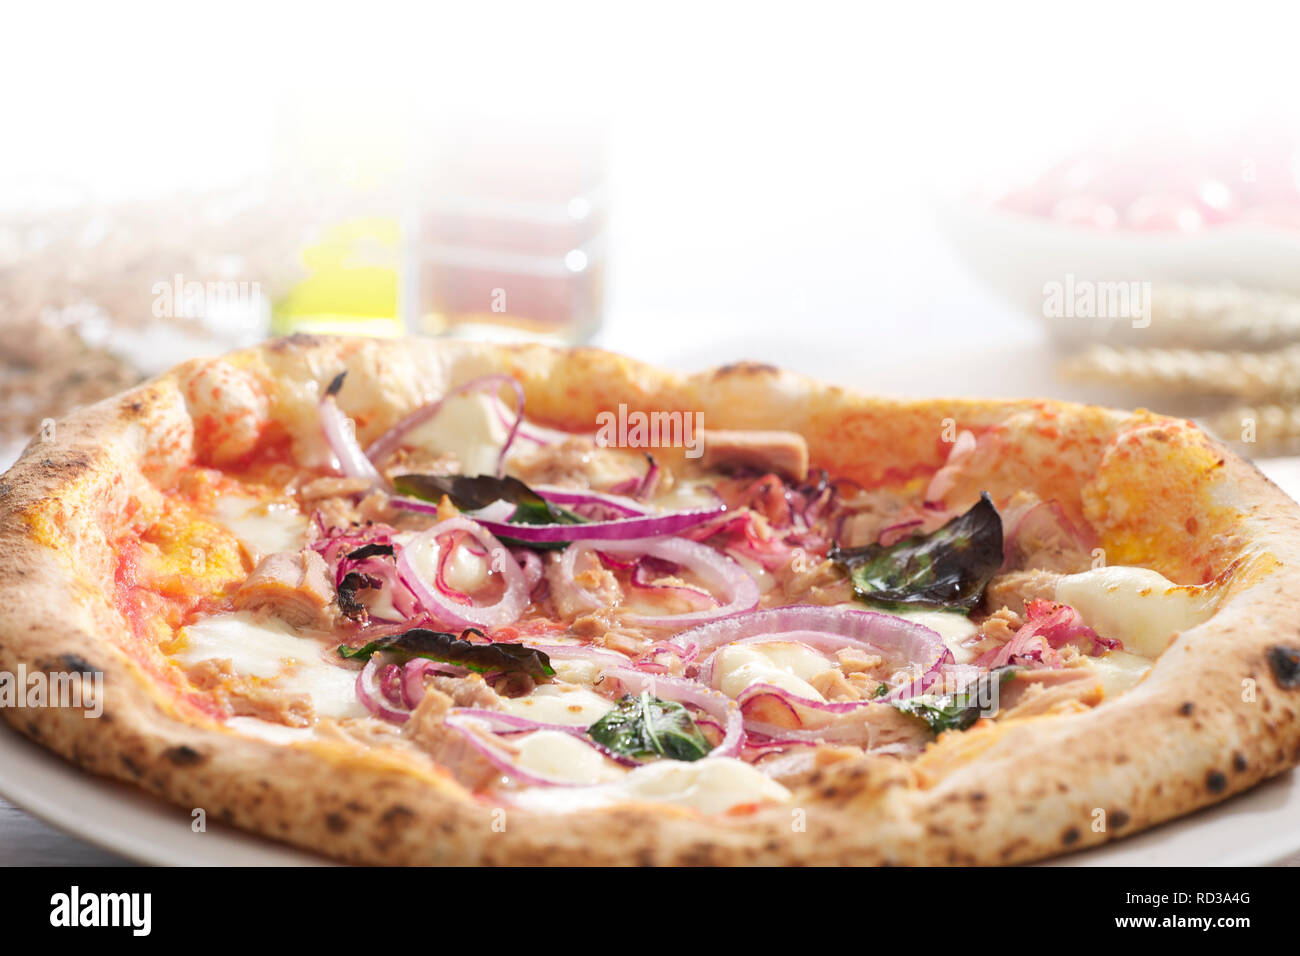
77,664
1119,819
1239,762
1216,782
1285,663
397,814
1187,709
745,368
1070,836
336,822
68,465
183,756
699,854
132,767
336,384
300,340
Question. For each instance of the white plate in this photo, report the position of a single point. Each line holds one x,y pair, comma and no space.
1255,828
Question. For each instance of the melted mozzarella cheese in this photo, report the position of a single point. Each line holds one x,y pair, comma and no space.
711,785
953,627
1139,607
549,704
563,757
468,427
756,571
466,571
576,670
269,649
783,664
267,730
262,527
688,496
1119,671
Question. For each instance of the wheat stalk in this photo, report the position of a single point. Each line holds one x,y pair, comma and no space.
1266,429
1254,376
1221,316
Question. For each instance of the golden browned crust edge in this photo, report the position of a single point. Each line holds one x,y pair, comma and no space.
1183,739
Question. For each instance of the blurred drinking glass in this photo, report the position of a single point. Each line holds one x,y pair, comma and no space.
507,234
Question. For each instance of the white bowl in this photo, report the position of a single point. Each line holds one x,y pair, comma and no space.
1017,256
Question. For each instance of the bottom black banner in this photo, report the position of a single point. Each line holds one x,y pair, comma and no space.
333,904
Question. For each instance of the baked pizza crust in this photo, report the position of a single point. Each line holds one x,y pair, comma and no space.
1214,717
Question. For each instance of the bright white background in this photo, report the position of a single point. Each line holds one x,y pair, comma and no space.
776,168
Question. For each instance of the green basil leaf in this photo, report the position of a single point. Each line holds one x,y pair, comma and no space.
450,649
947,568
645,727
470,493
957,711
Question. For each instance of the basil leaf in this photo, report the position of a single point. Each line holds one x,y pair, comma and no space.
947,568
450,649
354,581
470,493
646,726
371,551
958,711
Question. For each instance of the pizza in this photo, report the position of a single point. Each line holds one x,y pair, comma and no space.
436,602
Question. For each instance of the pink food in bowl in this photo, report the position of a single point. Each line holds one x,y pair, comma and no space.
1250,179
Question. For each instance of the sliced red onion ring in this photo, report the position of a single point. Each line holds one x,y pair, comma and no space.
718,706
716,570
531,565
826,627
640,488
505,723
640,578
413,675
341,435
390,440
505,611
759,702
478,729
370,692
